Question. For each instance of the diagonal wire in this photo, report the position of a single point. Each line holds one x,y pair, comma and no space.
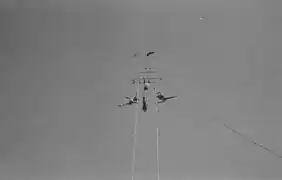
252,141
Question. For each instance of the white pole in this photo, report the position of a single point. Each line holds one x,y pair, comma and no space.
134,137
158,162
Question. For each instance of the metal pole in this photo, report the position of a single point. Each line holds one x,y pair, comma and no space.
158,162
134,138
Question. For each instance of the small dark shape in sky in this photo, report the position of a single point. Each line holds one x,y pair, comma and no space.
150,53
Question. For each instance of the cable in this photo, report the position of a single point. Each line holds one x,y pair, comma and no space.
252,141
158,160
134,137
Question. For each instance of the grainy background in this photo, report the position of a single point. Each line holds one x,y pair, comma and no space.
65,65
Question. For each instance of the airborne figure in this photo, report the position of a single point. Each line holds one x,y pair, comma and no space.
150,53
145,105
146,84
162,99
131,101
146,81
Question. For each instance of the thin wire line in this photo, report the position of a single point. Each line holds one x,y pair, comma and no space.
158,161
134,137
252,141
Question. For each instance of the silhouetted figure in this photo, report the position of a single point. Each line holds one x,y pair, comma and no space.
145,106
150,53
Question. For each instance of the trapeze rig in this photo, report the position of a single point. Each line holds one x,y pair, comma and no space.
146,80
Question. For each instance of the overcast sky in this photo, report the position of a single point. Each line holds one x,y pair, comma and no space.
65,65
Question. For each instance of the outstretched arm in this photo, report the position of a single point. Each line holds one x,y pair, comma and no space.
170,97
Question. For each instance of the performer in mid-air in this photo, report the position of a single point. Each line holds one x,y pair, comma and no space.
145,105
161,99
150,53
131,101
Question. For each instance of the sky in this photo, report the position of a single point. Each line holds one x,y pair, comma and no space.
66,64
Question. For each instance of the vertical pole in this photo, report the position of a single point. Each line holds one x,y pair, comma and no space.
158,162
134,137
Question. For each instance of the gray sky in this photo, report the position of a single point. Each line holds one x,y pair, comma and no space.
65,65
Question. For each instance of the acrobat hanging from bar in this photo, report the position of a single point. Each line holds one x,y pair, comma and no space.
147,78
